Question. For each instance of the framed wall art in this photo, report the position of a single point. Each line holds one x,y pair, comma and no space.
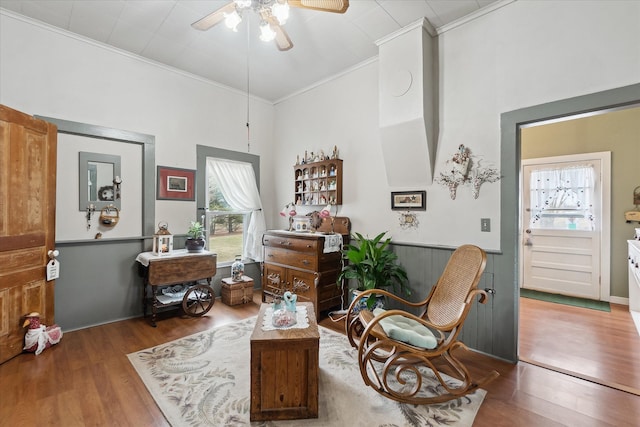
176,184
409,200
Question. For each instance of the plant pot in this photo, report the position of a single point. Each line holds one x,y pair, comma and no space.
362,304
194,245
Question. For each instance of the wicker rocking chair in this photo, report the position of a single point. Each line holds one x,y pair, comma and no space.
399,353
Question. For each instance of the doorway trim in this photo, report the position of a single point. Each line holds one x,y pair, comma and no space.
506,266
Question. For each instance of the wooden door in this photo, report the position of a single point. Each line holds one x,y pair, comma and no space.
562,222
27,223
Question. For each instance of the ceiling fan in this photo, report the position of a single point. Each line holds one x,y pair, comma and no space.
273,15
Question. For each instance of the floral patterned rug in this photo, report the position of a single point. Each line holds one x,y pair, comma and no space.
203,380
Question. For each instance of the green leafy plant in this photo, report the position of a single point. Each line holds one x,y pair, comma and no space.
196,230
373,265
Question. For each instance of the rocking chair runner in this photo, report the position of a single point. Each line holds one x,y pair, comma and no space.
398,350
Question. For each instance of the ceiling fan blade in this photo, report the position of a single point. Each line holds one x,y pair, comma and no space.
213,18
282,38
336,6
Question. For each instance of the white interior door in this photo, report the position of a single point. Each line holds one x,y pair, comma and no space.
562,224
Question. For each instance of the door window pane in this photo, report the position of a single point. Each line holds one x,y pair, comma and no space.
562,198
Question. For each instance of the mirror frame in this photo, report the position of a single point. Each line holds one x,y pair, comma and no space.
85,158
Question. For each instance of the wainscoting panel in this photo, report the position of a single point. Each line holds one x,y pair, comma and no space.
100,283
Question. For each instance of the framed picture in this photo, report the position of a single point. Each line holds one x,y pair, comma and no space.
409,200
176,184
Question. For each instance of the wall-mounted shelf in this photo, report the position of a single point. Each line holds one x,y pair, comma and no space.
318,183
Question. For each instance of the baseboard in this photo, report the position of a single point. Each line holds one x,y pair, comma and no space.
619,300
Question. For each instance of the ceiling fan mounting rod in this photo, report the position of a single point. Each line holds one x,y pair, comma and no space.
257,5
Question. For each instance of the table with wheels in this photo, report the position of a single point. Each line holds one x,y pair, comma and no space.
178,268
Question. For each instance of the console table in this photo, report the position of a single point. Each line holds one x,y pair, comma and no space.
180,267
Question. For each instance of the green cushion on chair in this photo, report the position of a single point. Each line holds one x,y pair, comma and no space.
407,330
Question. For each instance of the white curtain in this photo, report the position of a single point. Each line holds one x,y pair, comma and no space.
564,188
237,183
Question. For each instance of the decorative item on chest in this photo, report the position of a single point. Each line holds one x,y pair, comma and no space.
237,269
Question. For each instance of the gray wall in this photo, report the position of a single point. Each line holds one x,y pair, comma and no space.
100,281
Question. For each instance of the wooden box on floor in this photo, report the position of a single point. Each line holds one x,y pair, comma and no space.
234,293
284,370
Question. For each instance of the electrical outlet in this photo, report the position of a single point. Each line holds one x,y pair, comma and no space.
485,224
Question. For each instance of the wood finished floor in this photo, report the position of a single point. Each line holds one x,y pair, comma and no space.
88,380
596,345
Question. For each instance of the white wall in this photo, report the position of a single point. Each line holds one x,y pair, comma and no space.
526,53
53,73
71,223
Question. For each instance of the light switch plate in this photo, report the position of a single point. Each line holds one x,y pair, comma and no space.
485,224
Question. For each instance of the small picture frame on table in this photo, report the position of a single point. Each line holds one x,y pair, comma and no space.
176,184
409,200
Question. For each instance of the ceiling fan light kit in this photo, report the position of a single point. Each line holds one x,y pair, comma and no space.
273,15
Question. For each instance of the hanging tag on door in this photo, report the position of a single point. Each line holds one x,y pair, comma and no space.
53,270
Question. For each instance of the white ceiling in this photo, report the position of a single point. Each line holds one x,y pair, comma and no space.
324,44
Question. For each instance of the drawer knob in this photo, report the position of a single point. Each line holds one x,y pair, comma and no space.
305,262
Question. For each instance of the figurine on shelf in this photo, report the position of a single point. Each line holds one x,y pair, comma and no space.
334,154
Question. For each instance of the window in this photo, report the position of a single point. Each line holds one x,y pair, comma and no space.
562,198
226,227
233,210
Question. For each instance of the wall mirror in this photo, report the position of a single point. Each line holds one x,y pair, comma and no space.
99,180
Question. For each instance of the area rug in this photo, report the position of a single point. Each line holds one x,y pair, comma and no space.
566,300
203,380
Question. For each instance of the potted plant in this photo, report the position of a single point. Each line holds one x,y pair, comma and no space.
373,265
195,237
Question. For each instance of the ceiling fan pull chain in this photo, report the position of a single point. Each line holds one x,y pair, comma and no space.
248,96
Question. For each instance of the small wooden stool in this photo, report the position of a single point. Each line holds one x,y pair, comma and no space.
234,293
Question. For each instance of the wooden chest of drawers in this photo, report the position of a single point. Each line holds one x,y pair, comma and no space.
297,262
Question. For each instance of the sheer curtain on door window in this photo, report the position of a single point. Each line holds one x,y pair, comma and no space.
562,198
237,183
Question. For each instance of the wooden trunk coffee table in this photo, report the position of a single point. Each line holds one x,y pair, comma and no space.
284,370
